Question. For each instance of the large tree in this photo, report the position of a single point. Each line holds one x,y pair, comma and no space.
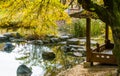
38,15
108,12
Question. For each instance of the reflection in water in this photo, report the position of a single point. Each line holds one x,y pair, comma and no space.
31,55
8,47
8,64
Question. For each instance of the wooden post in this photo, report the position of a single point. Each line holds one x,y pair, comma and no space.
107,41
98,47
88,52
106,33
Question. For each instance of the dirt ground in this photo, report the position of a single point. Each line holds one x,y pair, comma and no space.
96,70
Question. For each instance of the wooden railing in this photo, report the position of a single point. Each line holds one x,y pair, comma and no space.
103,58
99,48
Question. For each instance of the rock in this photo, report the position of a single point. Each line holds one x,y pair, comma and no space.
8,35
3,38
63,38
12,35
48,55
73,49
76,46
16,34
62,43
66,48
50,36
18,40
40,42
54,40
82,42
23,70
73,41
37,42
9,47
77,54
82,51
70,35
93,43
46,41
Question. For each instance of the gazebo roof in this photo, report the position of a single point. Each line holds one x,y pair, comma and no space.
83,14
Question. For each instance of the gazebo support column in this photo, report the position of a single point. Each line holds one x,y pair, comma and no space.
108,44
88,52
106,33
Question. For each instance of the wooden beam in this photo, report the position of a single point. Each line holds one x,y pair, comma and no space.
88,50
106,33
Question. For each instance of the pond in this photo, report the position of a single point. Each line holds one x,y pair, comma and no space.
31,55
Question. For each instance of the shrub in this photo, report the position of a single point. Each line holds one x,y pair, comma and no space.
78,28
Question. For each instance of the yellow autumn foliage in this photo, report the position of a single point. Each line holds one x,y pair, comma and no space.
40,15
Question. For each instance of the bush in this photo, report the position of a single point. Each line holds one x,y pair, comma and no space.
97,27
78,28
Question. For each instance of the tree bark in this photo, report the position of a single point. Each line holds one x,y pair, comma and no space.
116,37
116,50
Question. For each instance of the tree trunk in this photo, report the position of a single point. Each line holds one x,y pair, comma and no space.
116,37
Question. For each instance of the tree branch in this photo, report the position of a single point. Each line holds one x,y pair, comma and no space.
108,4
24,4
71,2
101,11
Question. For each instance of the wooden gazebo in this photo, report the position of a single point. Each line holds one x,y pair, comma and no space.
102,53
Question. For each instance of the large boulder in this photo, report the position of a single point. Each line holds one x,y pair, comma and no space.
23,70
